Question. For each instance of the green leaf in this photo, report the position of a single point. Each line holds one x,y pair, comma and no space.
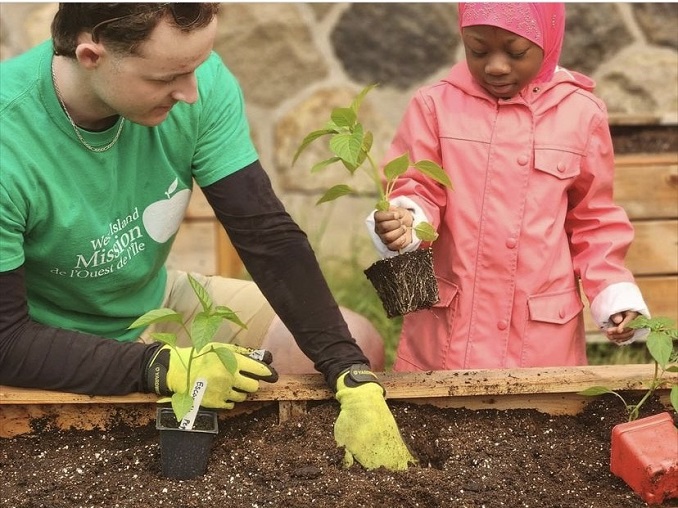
335,192
350,167
673,397
426,232
344,117
656,324
203,329
330,127
639,322
361,158
433,170
383,205
364,150
227,358
163,315
201,293
595,390
661,323
396,167
358,99
347,146
323,164
368,139
166,338
229,315
310,138
181,404
660,347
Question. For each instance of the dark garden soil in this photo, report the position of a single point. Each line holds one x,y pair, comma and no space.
483,458
405,283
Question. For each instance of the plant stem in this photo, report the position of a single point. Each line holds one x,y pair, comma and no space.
190,361
633,415
374,173
619,397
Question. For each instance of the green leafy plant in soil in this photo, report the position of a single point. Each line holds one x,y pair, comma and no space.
201,332
661,346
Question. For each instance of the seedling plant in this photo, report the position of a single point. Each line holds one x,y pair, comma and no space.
661,346
351,144
201,331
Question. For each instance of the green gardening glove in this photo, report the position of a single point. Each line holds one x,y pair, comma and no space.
365,426
167,371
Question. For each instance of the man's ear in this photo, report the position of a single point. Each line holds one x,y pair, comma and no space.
89,53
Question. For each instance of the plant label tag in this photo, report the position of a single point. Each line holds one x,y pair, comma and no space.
196,394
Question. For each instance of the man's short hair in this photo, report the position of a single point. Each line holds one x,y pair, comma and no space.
123,26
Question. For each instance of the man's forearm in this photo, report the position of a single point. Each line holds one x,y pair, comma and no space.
37,356
279,258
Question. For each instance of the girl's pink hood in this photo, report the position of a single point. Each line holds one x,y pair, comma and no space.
541,23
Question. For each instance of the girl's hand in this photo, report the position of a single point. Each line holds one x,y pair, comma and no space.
617,331
394,227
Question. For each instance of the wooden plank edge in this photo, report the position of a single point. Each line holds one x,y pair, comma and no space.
30,419
549,403
404,385
549,390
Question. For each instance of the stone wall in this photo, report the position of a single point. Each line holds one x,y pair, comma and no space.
296,61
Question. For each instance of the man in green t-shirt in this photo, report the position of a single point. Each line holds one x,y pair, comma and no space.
103,131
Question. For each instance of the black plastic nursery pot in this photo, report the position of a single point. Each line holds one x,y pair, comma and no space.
406,282
184,453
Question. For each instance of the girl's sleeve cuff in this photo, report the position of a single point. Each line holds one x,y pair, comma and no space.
619,297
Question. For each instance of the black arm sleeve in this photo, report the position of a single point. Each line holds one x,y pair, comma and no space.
278,256
37,356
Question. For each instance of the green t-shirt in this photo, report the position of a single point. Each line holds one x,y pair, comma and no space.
94,229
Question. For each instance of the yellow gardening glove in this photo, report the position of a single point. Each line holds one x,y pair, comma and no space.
365,426
167,371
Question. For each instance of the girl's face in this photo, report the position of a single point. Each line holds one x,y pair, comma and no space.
502,62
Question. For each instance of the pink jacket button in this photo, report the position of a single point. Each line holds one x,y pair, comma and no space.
502,325
523,159
511,243
561,167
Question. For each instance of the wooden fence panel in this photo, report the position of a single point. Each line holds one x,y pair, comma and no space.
654,250
647,188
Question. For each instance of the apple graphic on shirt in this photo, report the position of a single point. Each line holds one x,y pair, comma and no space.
163,218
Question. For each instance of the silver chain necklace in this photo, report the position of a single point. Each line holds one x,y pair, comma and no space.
77,129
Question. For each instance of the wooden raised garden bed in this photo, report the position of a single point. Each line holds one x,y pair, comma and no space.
549,390
476,434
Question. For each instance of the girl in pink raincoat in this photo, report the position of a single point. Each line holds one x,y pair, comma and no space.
528,148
